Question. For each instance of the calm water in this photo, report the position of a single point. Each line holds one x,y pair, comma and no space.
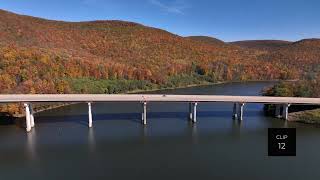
118,147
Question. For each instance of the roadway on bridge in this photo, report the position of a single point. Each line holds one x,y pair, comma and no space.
7,98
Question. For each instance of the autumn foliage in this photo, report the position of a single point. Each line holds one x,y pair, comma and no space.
43,56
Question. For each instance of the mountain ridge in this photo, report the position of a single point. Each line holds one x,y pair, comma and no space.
47,56
207,39
115,49
261,44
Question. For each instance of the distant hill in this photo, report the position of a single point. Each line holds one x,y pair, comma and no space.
308,42
304,54
45,56
262,44
207,39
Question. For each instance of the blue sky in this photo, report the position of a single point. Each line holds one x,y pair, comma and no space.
228,20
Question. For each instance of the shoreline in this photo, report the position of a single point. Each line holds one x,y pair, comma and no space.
41,109
203,84
171,88
311,117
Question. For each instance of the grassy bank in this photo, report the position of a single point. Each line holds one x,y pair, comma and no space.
308,116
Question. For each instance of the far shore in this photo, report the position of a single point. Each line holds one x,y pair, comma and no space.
203,84
55,106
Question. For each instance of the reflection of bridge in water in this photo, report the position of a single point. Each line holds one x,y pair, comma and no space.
281,103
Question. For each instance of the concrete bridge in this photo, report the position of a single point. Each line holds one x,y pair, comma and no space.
282,103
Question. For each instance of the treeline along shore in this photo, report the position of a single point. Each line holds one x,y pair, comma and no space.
309,114
93,86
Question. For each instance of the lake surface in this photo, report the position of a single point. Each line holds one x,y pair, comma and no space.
61,146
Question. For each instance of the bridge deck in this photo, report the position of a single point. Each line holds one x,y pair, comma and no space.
153,98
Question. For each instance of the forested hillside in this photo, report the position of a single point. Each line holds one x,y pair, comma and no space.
44,56
268,45
303,56
208,40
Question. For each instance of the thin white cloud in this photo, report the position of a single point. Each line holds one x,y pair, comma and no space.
176,6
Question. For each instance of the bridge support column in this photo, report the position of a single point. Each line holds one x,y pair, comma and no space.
190,111
144,113
28,119
194,112
90,115
277,111
31,115
241,111
285,111
235,114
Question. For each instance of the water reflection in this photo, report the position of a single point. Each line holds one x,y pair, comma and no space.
285,124
144,134
91,140
236,126
194,132
31,144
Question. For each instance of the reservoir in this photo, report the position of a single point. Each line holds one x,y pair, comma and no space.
61,146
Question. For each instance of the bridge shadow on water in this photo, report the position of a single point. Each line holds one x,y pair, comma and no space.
136,117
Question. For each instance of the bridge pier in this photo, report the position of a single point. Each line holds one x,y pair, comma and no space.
235,109
194,112
285,111
241,111
144,113
28,118
31,116
190,111
90,115
278,111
